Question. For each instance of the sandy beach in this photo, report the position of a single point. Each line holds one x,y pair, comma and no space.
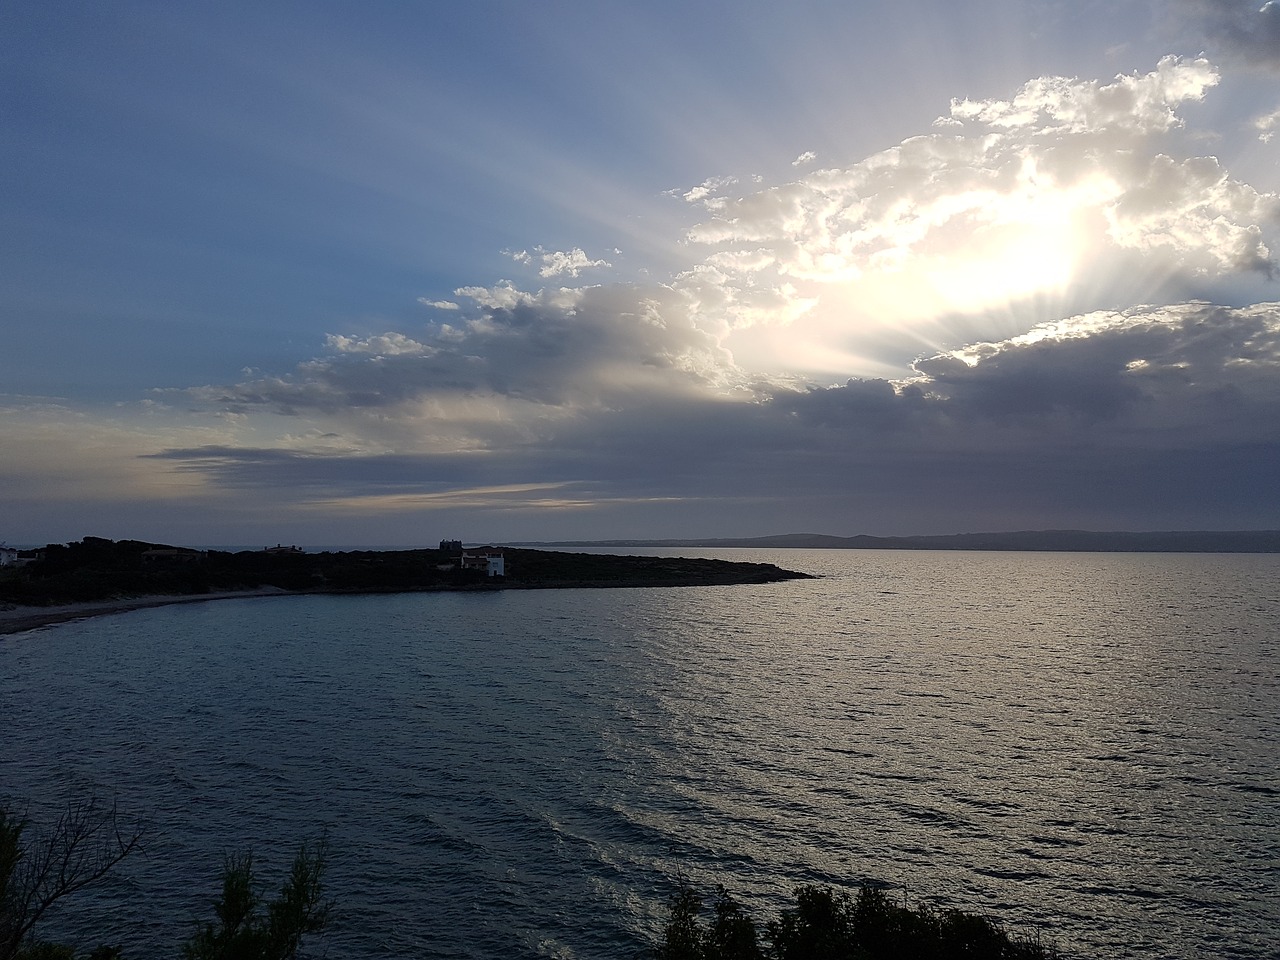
18,619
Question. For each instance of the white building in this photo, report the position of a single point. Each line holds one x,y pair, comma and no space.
8,555
490,561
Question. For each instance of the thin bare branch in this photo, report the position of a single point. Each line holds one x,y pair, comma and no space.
81,848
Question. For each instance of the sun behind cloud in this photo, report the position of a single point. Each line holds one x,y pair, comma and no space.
1036,312
1012,213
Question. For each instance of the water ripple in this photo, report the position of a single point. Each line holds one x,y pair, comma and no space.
1082,743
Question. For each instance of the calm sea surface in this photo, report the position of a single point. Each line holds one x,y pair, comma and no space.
1084,744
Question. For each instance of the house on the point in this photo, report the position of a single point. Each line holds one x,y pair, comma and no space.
281,549
488,559
15,557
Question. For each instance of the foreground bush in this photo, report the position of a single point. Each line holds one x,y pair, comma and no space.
829,925
38,868
245,932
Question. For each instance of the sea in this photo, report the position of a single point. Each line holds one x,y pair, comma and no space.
1083,746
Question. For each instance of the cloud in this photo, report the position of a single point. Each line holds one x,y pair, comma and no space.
628,395
559,263
1193,207
1266,126
1009,200
384,345
1188,376
613,399
1178,375
1098,413
707,191
558,350
1133,105
1081,422
55,453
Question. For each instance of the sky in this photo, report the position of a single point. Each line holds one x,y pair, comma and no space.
392,272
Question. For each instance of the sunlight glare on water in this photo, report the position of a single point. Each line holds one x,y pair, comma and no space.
1084,745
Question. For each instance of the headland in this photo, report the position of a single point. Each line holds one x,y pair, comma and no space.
94,576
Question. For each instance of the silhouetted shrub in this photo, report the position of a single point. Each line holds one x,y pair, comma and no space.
38,868
244,931
826,924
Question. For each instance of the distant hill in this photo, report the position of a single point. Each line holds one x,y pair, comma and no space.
1083,541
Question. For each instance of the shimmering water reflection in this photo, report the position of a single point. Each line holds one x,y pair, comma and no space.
1082,743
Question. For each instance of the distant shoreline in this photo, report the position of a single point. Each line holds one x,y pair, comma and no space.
1033,541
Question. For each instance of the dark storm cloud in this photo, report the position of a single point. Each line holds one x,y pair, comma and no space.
1155,412
1197,371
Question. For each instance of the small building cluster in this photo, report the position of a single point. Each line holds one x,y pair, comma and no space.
489,559
13,557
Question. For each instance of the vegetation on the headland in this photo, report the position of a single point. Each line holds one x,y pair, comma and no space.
96,569
828,925
39,868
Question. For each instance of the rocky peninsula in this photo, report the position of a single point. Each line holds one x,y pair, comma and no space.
95,576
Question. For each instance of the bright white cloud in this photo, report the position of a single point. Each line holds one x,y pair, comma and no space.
1266,126
1135,105
1193,208
501,296
383,345
558,263
1011,200
707,191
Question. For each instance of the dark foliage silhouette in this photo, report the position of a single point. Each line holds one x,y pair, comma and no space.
38,868
825,924
244,931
